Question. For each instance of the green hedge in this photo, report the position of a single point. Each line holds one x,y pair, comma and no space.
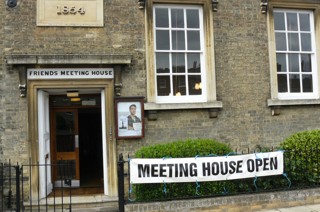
187,148
302,168
302,156
180,149
302,140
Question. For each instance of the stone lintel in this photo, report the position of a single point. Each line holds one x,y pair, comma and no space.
107,59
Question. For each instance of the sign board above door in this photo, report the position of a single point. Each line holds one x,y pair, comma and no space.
71,73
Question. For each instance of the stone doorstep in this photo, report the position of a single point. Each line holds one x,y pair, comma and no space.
92,202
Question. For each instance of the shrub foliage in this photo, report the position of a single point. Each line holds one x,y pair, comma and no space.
187,148
180,149
302,157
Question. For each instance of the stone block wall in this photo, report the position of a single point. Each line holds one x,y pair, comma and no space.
239,203
241,66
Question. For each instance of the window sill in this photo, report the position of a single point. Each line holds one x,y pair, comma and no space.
152,108
275,104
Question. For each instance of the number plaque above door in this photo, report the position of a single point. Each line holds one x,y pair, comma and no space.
87,13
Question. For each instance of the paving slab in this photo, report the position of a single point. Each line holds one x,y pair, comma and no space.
305,208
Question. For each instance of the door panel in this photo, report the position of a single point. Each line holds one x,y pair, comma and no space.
65,145
44,144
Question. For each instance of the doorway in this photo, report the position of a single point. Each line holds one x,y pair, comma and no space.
90,143
76,143
39,123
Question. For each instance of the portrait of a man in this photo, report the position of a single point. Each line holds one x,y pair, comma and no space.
129,118
132,118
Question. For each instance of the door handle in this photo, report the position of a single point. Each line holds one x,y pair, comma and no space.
76,141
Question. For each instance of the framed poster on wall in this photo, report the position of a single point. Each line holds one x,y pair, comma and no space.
129,117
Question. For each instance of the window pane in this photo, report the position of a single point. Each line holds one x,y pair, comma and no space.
293,39
193,40
279,21
194,63
178,63
178,52
177,20
281,62
304,22
193,19
65,123
178,40
195,85
282,83
307,83
162,17
162,42
65,132
163,85
294,51
66,169
179,85
305,41
292,22
281,44
162,63
305,63
65,143
293,62
294,83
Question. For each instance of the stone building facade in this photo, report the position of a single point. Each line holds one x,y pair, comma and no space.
245,99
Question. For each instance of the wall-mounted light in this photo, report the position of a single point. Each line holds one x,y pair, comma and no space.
141,4
264,6
11,3
75,99
22,80
72,93
215,5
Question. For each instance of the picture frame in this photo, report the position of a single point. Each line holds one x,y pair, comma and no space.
129,117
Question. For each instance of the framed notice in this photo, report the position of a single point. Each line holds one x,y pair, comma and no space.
129,117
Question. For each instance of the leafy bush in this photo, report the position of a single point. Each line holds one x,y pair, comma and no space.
187,148
302,158
180,149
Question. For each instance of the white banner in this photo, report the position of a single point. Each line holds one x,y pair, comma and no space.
70,73
199,169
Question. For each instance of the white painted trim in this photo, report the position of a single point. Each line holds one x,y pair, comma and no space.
44,144
187,98
104,142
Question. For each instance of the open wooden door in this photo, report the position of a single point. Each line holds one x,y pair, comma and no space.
44,144
65,147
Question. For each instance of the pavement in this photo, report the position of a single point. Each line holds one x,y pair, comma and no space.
304,208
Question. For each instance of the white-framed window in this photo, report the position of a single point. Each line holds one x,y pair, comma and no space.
295,54
179,54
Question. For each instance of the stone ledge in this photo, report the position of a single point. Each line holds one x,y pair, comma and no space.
278,102
113,59
152,108
176,106
247,202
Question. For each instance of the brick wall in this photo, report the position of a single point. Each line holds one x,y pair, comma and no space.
242,76
243,86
